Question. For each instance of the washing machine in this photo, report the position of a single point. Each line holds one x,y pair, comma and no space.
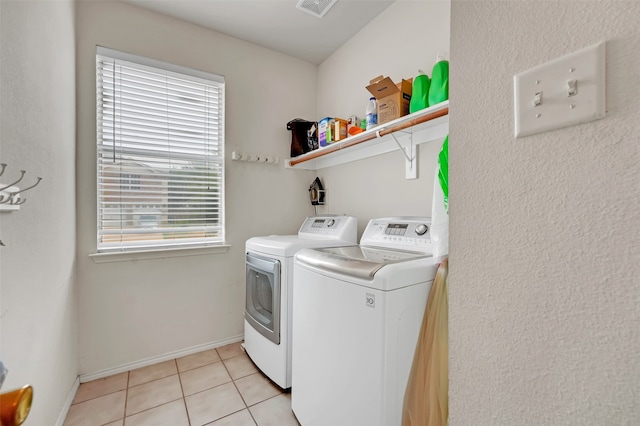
357,313
269,275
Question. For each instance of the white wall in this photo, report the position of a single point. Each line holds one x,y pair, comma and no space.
544,288
37,266
135,310
406,37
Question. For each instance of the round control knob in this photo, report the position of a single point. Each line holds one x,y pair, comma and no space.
422,229
331,223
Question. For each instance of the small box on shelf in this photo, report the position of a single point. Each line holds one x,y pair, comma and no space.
393,99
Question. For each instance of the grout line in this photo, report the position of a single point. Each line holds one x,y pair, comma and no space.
246,407
240,393
99,396
207,389
126,398
184,399
235,356
228,415
160,405
234,384
199,366
266,399
153,408
154,380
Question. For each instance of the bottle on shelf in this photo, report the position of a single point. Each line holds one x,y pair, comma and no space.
439,88
372,113
420,96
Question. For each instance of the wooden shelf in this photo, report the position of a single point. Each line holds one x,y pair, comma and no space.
427,125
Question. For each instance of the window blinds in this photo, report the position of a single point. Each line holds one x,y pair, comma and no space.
160,154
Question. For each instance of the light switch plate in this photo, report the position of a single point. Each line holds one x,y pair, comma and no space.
561,93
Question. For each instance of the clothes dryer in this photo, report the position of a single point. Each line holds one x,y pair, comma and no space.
269,276
357,312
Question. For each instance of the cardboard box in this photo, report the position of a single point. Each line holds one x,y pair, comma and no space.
340,130
393,99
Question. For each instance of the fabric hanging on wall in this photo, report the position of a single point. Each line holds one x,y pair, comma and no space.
439,206
426,400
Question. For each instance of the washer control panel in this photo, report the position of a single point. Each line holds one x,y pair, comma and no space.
333,227
402,233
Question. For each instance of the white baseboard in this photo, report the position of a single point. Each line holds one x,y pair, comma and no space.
67,402
156,359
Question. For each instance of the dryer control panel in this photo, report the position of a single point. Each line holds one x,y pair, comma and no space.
330,227
401,233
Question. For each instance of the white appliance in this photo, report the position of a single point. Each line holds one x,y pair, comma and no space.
357,312
269,265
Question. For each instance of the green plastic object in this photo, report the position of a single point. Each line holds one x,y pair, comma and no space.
420,95
443,172
439,90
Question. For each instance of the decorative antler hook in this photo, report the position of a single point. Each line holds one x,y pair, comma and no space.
32,186
22,172
10,195
15,196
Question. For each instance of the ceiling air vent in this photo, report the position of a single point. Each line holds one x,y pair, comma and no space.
317,8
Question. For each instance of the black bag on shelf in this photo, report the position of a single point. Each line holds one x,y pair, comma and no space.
303,136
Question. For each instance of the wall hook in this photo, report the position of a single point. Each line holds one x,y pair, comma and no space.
11,184
15,196
18,201
10,194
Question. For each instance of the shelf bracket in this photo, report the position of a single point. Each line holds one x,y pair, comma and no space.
411,164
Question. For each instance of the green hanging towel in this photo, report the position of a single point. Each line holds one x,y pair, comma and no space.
443,172
439,89
420,94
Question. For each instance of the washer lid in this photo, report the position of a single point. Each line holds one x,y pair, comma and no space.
356,261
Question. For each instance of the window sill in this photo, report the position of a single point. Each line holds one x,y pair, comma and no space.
157,254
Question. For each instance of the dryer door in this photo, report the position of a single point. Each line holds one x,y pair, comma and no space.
263,296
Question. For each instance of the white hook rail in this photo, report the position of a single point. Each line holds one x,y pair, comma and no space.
10,194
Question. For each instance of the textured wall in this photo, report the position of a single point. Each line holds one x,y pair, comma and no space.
545,230
37,266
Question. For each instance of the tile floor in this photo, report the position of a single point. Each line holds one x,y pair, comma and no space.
218,387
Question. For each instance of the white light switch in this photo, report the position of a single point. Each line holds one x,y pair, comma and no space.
561,93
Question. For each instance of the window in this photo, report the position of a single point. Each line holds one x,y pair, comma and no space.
129,182
160,149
